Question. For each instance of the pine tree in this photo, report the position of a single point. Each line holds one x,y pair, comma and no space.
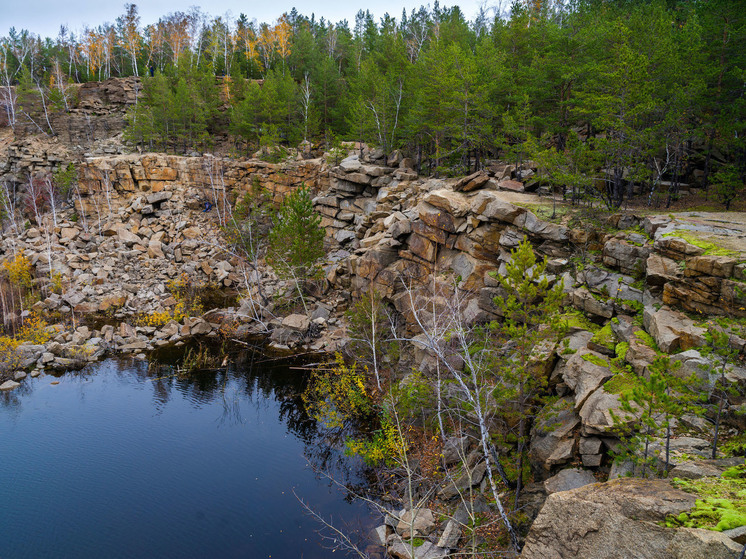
296,240
528,308
655,400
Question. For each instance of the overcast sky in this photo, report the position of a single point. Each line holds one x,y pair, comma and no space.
43,17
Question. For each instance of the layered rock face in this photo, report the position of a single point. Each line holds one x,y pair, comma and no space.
213,179
395,231
97,115
92,126
618,520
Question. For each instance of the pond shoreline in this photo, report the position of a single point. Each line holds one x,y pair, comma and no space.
216,474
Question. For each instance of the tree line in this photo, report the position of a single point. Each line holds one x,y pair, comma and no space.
647,92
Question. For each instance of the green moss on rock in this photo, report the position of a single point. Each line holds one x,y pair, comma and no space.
722,505
646,339
621,383
595,359
577,320
621,350
709,247
605,337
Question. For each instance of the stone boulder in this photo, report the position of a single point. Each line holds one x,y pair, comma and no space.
462,484
511,185
660,270
9,385
416,522
400,549
596,413
472,182
488,205
297,322
569,479
583,300
619,520
696,469
629,258
438,218
585,372
552,438
673,331
710,265
452,202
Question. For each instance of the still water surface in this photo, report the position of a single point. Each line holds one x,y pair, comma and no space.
116,462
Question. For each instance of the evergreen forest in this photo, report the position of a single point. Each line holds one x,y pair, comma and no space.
600,95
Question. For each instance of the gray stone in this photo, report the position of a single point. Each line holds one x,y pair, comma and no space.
134,346
416,522
489,205
672,330
350,164
297,322
9,385
455,449
158,197
343,236
596,413
590,445
320,312
620,520
402,550
703,468
621,469
128,238
738,535
544,229
464,482
379,534
661,270
629,258
455,203
692,363
568,479
200,328
583,375
592,460
552,440
451,535
583,300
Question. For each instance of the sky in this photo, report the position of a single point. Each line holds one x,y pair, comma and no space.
44,17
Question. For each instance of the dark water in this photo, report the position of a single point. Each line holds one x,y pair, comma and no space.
114,462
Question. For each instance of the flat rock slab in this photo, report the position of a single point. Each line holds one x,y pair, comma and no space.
704,468
619,520
297,322
672,330
726,230
9,385
566,480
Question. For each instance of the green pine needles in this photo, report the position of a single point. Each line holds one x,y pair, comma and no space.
296,240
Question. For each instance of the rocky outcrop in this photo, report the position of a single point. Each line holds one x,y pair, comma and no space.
698,263
618,520
673,331
98,113
203,179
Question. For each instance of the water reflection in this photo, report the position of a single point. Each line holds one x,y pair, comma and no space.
196,465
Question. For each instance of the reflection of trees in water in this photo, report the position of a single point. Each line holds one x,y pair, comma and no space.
249,375
253,377
11,400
